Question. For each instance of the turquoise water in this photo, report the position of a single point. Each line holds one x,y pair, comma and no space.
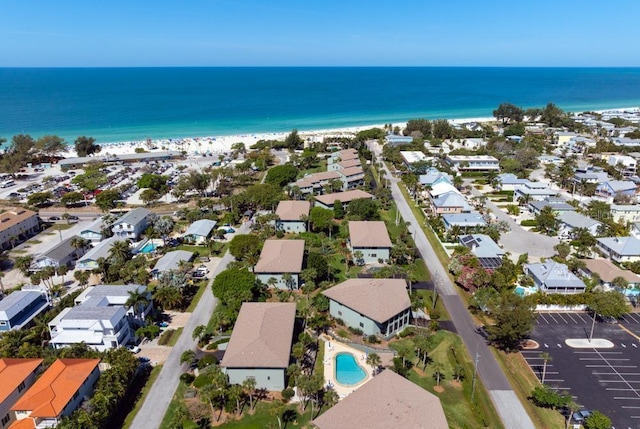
148,248
122,104
519,291
348,372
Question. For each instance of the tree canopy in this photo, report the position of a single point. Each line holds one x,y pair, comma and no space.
608,304
513,321
233,287
86,146
243,245
507,112
281,175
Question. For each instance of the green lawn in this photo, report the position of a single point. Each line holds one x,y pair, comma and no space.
170,337
456,396
145,391
263,419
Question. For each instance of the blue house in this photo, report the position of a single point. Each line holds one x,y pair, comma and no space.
432,178
463,220
616,187
553,277
20,307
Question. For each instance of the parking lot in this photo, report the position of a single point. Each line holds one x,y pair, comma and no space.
605,379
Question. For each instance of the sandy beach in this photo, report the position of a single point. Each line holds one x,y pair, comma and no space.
222,144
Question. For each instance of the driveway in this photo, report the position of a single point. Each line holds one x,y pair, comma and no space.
518,240
161,393
506,402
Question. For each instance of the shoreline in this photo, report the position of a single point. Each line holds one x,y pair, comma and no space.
222,143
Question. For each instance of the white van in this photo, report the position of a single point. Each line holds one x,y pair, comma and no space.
7,184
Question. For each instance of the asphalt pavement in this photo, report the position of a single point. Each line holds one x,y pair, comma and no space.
161,393
506,402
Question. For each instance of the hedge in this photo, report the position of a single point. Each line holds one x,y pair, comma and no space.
529,222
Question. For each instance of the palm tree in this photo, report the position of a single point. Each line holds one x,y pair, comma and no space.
373,360
573,407
288,280
138,301
249,386
78,243
120,251
546,358
168,297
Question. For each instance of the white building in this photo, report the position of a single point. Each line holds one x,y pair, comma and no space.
626,163
131,224
473,163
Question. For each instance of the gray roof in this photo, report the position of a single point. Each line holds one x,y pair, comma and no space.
623,246
559,207
101,291
96,227
511,179
428,179
387,401
451,199
89,312
15,302
464,219
61,250
146,156
620,185
133,217
171,260
262,336
202,227
554,275
482,246
575,220
101,250
377,299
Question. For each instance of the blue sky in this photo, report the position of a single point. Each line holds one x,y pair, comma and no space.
45,33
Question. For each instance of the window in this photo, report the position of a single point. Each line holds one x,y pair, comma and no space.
339,313
6,419
361,325
21,387
3,323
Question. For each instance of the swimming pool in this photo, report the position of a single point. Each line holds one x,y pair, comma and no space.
148,247
347,371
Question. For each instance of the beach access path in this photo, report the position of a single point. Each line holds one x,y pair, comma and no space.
161,393
505,400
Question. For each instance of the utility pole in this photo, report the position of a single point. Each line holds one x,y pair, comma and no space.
593,325
435,289
475,373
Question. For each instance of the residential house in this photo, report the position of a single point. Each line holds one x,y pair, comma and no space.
351,177
483,247
102,250
533,191
93,233
101,320
590,175
607,272
374,306
17,376
386,401
16,225
131,224
510,182
282,261
571,220
473,163
326,201
554,277
613,188
371,240
200,231
260,345
411,157
449,203
432,179
464,221
474,143
343,164
563,137
558,206
395,140
624,212
626,141
57,393
626,164
343,155
442,188
291,216
20,307
549,159
314,183
171,261
619,249
62,253
118,295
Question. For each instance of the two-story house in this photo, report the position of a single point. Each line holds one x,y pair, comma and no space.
21,307
369,242
63,253
554,277
280,263
131,224
291,216
90,259
93,232
57,393
619,249
17,376
16,225
473,163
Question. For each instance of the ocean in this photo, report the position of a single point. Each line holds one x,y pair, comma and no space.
125,104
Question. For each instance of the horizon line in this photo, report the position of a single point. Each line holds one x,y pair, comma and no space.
323,66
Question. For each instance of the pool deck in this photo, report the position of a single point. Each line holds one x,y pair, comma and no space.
331,348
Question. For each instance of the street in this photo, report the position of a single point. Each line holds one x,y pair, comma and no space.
506,402
161,393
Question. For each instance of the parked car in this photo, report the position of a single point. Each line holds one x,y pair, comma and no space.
74,217
54,218
133,349
581,416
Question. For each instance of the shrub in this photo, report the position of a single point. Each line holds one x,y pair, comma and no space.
529,222
342,333
187,378
287,394
339,321
406,332
373,339
202,380
207,360
355,331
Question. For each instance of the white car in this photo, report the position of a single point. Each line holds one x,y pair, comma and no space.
133,349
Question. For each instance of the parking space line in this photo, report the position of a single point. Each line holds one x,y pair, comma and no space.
552,318
624,398
610,359
563,319
540,315
633,317
609,366
619,381
628,384
571,317
613,373
593,352
581,318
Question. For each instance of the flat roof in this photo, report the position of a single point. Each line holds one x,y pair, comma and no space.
14,216
123,157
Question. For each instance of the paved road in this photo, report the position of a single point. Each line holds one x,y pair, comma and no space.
157,401
519,240
511,411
